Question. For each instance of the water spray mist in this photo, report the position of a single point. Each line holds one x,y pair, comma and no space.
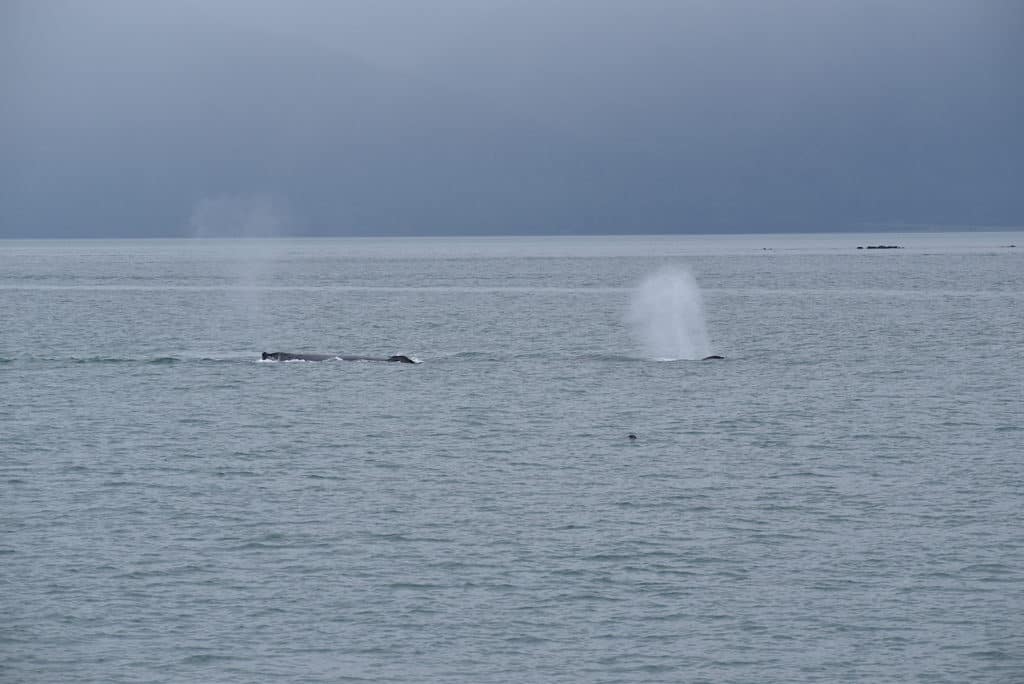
666,316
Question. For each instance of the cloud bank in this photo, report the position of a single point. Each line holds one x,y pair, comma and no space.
459,117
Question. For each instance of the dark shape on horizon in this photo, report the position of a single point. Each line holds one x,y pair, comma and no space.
882,247
287,356
631,436
712,357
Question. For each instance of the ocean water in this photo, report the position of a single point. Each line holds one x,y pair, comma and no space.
839,500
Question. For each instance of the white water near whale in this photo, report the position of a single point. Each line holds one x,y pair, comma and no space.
666,316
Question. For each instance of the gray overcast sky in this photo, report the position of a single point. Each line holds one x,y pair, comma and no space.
135,118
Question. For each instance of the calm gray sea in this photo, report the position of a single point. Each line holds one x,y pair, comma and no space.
839,500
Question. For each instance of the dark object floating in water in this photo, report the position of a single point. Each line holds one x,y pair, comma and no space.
712,357
631,436
1009,245
881,247
285,356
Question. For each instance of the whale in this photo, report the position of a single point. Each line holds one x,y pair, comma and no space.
288,356
712,357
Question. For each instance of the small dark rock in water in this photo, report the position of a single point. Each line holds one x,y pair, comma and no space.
882,247
631,436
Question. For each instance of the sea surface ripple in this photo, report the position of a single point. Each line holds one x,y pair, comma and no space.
839,500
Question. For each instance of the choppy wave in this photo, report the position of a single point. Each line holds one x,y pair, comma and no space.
612,358
489,515
469,355
463,356
166,360
104,359
108,360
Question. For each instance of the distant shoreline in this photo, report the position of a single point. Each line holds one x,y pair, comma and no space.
901,230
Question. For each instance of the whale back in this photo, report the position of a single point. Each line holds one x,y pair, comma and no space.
288,356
